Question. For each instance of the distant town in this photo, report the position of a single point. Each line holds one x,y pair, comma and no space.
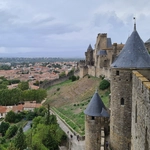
35,70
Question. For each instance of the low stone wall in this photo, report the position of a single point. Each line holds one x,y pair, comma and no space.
57,81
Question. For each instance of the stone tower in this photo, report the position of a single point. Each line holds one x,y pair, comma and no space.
133,56
96,120
89,56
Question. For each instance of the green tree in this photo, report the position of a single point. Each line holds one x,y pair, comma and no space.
12,147
10,117
48,115
19,141
104,84
73,78
3,127
23,85
11,131
49,141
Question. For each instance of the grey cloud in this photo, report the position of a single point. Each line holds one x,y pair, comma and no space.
107,18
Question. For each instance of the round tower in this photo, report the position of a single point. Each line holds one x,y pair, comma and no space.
96,120
133,56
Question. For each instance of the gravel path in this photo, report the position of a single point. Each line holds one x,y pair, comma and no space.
74,144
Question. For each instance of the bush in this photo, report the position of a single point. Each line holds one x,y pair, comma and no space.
73,78
102,77
104,84
89,76
58,89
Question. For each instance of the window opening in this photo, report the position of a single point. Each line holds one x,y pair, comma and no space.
117,73
122,101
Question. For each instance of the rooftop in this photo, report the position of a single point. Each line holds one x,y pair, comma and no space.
96,107
133,54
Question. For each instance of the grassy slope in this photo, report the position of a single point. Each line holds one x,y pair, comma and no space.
71,98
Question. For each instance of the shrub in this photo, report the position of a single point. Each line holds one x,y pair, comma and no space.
58,89
89,76
104,84
73,78
102,76
74,104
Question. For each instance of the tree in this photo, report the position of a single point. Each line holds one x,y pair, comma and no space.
19,141
11,131
23,85
12,147
3,127
49,141
10,117
104,84
48,115
73,78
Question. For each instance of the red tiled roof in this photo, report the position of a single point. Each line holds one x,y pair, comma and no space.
17,108
31,105
3,109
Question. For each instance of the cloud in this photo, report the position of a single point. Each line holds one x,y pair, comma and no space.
59,27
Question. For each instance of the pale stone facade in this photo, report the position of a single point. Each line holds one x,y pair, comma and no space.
98,60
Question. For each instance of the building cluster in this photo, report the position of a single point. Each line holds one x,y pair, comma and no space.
130,101
26,106
37,72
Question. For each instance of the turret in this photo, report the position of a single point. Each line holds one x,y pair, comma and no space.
96,120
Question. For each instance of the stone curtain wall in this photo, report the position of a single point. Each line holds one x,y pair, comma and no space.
140,112
121,102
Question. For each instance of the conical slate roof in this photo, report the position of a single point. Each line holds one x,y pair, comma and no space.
96,107
133,54
89,48
148,41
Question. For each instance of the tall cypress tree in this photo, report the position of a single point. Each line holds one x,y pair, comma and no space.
19,141
48,115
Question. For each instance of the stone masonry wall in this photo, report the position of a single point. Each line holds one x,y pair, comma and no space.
121,104
83,71
97,72
140,112
93,132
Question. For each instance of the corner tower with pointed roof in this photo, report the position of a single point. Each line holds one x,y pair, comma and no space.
133,56
96,120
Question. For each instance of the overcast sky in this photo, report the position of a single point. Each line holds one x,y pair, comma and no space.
65,28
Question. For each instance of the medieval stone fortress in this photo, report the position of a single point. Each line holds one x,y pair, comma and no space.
128,68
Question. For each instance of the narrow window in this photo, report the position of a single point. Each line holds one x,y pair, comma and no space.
130,76
117,73
122,101
136,113
93,118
